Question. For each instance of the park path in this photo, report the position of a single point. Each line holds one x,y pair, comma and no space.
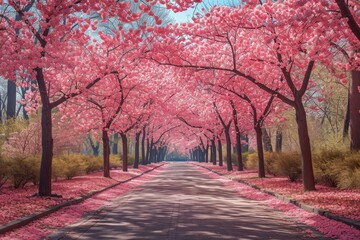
183,203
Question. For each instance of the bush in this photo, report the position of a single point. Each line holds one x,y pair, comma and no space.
115,161
270,160
287,164
326,166
4,171
251,161
131,159
24,170
349,171
58,170
92,163
73,165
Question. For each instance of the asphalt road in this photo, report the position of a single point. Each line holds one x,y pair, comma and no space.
182,203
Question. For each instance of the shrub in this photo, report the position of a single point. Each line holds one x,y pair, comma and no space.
349,171
24,170
270,159
115,161
73,165
131,159
287,164
4,171
58,169
251,161
92,163
326,166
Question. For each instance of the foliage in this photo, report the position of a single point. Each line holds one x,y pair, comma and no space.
286,164
115,161
4,171
92,163
326,164
278,164
26,142
23,170
349,172
73,165
58,170
251,161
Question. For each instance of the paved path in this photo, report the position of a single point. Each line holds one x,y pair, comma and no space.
182,203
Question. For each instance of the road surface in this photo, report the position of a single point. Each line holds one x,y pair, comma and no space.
182,203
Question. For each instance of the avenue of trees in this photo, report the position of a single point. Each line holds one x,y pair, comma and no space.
243,76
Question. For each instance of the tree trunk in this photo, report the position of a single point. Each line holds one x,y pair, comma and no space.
106,153
307,168
266,140
11,100
278,144
207,153
96,149
147,151
151,152
213,151
228,149
158,154
47,138
137,153
1,117
143,157
125,152
220,152
115,144
354,111
245,147
260,151
347,119
23,93
154,156
240,166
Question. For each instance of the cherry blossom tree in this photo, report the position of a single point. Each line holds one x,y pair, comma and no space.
238,42
48,42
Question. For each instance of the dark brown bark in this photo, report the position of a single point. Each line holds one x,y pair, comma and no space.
1,106
260,151
143,157
94,146
347,118
115,144
278,143
11,100
307,168
228,148
245,147
354,111
125,152
220,152
137,152
151,151
213,151
207,153
106,153
266,140
147,159
240,166
345,12
238,149
47,138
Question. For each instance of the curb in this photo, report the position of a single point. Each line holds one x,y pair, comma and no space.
308,208
20,222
